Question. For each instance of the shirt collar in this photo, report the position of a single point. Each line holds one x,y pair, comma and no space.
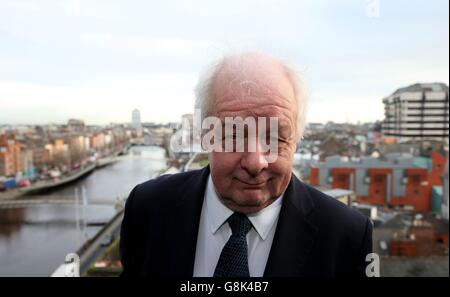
218,213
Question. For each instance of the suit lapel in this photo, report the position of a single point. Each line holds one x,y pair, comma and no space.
293,241
183,226
295,233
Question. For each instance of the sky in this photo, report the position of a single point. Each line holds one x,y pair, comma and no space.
99,60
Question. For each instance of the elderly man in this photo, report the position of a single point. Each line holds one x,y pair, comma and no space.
244,215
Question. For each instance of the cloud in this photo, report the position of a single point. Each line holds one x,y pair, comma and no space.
99,59
161,97
144,45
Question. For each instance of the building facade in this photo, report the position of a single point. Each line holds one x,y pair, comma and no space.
136,121
395,180
10,155
417,112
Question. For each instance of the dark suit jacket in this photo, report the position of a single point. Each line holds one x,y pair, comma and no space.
316,235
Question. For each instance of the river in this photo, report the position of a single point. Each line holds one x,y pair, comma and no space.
34,240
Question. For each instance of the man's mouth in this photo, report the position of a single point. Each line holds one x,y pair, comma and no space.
252,183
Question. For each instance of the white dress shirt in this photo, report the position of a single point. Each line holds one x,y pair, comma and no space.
214,233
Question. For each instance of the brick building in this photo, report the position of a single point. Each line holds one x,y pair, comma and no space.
395,180
10,155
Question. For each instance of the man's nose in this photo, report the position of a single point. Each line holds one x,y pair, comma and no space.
254,161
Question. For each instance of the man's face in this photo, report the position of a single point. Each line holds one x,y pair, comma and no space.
245,181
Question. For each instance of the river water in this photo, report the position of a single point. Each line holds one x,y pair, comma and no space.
35,239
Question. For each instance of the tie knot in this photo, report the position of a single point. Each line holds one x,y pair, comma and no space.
239,223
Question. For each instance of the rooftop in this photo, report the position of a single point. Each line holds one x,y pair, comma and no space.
420,87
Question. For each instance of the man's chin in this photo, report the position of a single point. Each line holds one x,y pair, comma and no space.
248,204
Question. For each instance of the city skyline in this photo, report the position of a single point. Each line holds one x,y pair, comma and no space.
103,59
99,137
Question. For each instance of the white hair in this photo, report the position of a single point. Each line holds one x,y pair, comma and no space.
203,91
